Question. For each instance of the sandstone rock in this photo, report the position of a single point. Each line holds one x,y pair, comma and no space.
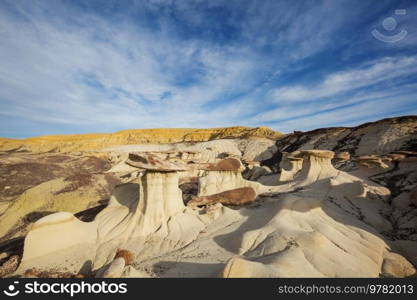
214,182
380,137
213,211
305,221
237,196
227,164
290,165
89,142
316,165
318,221
371,161
151,207
127,255
150,161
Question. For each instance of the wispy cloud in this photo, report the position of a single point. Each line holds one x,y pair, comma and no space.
354,114
114,73
333,84
106,65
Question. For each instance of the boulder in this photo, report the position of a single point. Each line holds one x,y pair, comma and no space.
227,164
239,196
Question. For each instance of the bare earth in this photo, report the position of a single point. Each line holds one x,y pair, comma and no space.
229,202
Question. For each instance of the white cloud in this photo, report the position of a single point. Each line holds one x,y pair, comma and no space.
334,84
45,67
353,115
316,107
64,67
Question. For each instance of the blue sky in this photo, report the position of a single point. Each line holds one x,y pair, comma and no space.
103,66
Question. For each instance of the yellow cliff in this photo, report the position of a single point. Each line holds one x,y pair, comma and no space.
98,141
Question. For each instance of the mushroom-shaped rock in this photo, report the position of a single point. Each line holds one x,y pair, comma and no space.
151,206
237,196
316,165
154,162
214,182
371,161
290,165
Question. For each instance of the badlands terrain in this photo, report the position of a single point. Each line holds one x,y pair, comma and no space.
225,202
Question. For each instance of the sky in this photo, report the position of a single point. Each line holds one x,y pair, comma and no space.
102,66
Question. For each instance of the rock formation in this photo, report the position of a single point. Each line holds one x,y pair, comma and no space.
326,229
338,202
380,137
152,208
371,161
90,142
290,165
237,196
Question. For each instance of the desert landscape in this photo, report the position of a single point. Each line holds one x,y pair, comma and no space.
221,202
208,139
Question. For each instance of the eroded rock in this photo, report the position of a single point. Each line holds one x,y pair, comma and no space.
239,196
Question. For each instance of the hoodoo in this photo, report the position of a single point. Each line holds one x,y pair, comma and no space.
309,236
187,209
290,165
152,208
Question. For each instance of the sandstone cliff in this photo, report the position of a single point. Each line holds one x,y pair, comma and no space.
93,142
